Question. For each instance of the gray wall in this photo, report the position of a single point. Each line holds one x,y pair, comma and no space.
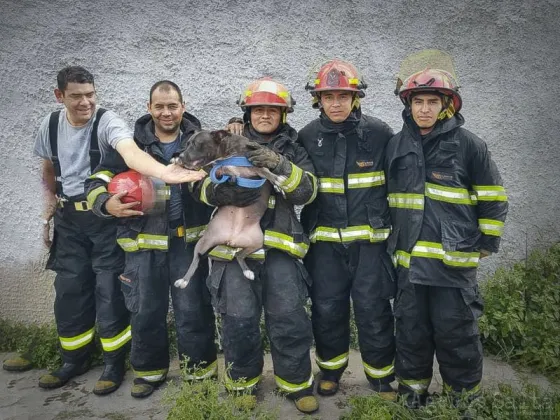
506,56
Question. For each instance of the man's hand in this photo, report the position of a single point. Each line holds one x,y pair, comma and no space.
114,206
262,156
48,213
235,128
484,253
175,174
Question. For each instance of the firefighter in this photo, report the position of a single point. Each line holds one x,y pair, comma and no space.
448,208
158,249
83,252
281,280
348,224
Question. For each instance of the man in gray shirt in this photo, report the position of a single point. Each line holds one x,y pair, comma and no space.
83,250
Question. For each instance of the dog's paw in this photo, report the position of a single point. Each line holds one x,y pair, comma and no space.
249,274
181,283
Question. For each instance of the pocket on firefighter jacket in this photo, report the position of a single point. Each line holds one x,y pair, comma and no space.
378,215
129,286
459,236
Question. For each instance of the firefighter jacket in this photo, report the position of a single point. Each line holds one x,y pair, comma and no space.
280,225
348,159
148,231
447,202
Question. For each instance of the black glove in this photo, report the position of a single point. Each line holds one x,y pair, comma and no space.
262,156
230,194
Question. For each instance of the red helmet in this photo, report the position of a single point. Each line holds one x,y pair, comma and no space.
431,80
140,188
336,75
266,91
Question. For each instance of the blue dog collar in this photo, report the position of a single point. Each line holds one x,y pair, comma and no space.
235,161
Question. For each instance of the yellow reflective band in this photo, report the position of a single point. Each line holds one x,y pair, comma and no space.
290,387
435,250
491,227
163,192
293,180
366,180
406,201
151,375
149,241
194,233
203,373
315,186
225,252
144,241
283,94
333,364
448,194
331,185
93,194
240,384
490,192
248,92
402,258
420,386
353,81
317,82
205,185
127,244
271,202
285,243
116,342
78,341
106,176
379,373
349,234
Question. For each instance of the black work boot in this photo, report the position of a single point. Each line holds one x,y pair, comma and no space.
111,378
328,384
411,399
19,363
142,388
63,374
385,391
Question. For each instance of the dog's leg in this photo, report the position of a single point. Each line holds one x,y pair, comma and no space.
276,180
202,246
240,257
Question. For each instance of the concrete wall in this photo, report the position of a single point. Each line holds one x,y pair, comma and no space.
506,55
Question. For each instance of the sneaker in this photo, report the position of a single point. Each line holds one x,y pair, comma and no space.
18,363
62,375
307,404
111,378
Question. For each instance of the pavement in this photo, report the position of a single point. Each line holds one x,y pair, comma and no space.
22,399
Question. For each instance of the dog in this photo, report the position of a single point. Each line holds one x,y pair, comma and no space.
237,227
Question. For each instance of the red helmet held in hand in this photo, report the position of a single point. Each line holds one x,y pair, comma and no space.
139,188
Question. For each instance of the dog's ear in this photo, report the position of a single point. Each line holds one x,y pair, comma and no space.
219,135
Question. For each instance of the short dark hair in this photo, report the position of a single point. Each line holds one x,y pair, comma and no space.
73,74
166,86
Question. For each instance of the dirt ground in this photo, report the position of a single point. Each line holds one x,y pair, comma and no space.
21,398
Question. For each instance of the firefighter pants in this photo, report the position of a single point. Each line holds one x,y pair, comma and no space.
363,272
280,286
87,262
442,320
146,282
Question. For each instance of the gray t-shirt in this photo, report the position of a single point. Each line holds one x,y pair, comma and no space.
73,146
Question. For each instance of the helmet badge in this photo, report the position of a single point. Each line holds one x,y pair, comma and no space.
333,78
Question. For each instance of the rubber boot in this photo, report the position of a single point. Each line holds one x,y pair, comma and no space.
62,375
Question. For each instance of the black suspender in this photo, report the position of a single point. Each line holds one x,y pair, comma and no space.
94,153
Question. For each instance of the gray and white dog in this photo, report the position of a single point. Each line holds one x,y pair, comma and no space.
237,227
